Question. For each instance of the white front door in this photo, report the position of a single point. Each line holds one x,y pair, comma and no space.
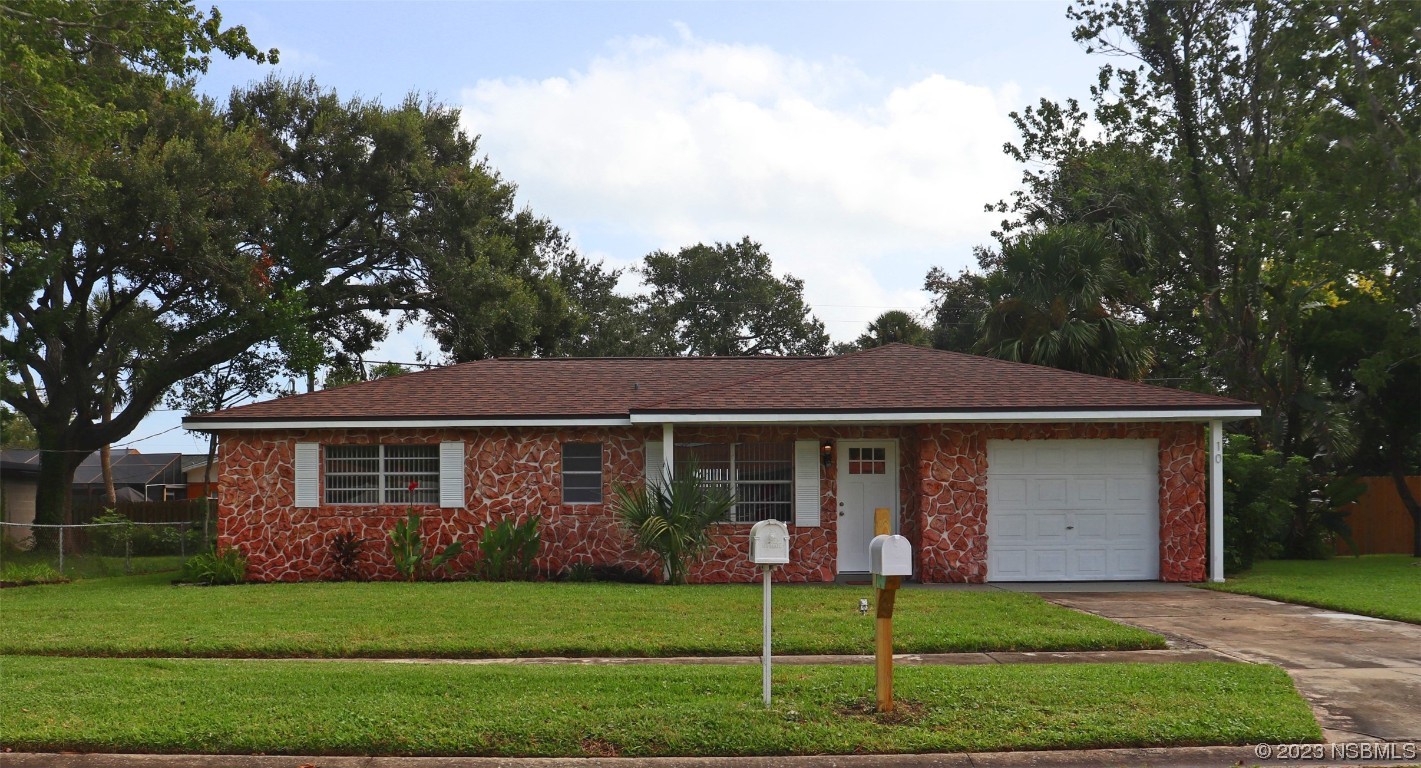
867,480
1072,510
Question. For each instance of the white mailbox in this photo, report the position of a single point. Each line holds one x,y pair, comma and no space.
769,543
890,556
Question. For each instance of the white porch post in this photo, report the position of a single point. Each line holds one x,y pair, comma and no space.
668,450
1216,500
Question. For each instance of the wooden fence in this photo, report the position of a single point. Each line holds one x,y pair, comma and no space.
1380,523
176,511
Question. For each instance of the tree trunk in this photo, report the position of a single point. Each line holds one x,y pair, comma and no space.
1398,476
106,463
55,492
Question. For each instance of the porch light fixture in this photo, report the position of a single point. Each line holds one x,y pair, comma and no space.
826,452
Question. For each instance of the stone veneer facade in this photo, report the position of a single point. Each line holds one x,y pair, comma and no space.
515,472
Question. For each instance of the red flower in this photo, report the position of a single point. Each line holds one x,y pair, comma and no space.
413,485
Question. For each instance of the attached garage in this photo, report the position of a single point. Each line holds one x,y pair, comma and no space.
1073,510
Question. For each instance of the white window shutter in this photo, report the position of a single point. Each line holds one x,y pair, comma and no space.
451,475
806,483
655,462
308,474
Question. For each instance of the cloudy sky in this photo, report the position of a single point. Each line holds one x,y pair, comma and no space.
857,142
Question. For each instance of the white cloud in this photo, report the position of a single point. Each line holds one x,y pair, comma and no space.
854,185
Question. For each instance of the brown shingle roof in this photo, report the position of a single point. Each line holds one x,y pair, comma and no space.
893,378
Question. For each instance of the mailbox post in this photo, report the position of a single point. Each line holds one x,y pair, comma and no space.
890,559
769,547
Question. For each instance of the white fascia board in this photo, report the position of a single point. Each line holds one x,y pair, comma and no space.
976,417
224,424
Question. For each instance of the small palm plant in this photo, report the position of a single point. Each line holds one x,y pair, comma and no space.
670,518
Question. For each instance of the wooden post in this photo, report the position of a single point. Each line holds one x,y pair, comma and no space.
882,522
883,642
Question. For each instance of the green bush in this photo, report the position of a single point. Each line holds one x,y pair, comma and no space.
227,566
579,573
670,519
1261,492
114,531
35,573
509,549
409,554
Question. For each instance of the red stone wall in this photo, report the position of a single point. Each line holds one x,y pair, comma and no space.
952,466
515,472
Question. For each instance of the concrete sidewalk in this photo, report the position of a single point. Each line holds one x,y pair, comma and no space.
1182,757
1361,675
1163,656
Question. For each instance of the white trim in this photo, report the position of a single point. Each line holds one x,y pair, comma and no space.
215,426
931,417
668,452
808,493
1216,501
667,419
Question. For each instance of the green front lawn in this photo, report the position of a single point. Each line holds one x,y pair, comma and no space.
309,707
1385,586
88,566
147,616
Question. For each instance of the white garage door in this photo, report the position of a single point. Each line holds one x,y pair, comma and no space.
1072,510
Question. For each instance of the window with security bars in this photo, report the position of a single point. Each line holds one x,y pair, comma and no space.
582,473
382,474
761,475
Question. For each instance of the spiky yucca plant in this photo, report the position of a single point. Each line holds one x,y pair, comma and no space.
670,518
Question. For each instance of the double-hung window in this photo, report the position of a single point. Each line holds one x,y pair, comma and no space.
761,475
382,474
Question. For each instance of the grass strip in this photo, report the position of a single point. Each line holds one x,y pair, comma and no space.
1384,586
147,616
308,707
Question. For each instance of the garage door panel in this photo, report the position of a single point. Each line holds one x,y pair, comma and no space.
1072,510
1091,525
1090,490
1091,564
1048,489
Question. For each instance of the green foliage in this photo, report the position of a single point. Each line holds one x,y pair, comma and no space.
1385,586
579,573
1051,305
1262,490
32,573
16,431
894,327
724,299
412,558
115,536
958,306
671,519
508,550
345,550
227,566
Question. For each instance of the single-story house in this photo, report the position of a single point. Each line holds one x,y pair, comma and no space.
995,471
136,477
19,484
195,475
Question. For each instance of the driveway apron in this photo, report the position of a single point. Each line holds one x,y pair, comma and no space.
1361,675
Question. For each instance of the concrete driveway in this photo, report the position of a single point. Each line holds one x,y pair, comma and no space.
1361,675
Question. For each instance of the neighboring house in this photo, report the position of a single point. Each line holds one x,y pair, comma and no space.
136,477
194,467
996,471
19,479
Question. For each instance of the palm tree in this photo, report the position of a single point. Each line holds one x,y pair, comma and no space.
894,326
670,518
1052,306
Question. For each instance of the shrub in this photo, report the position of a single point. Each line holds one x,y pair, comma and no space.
1321,520
408,550
670,519
345,551
1261,490
579,572
509,550
114,533
227,566
36,573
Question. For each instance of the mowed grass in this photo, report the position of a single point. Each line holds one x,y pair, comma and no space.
1385,586
312,707
88,566
147,616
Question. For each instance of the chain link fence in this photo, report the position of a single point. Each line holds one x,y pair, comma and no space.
108,543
